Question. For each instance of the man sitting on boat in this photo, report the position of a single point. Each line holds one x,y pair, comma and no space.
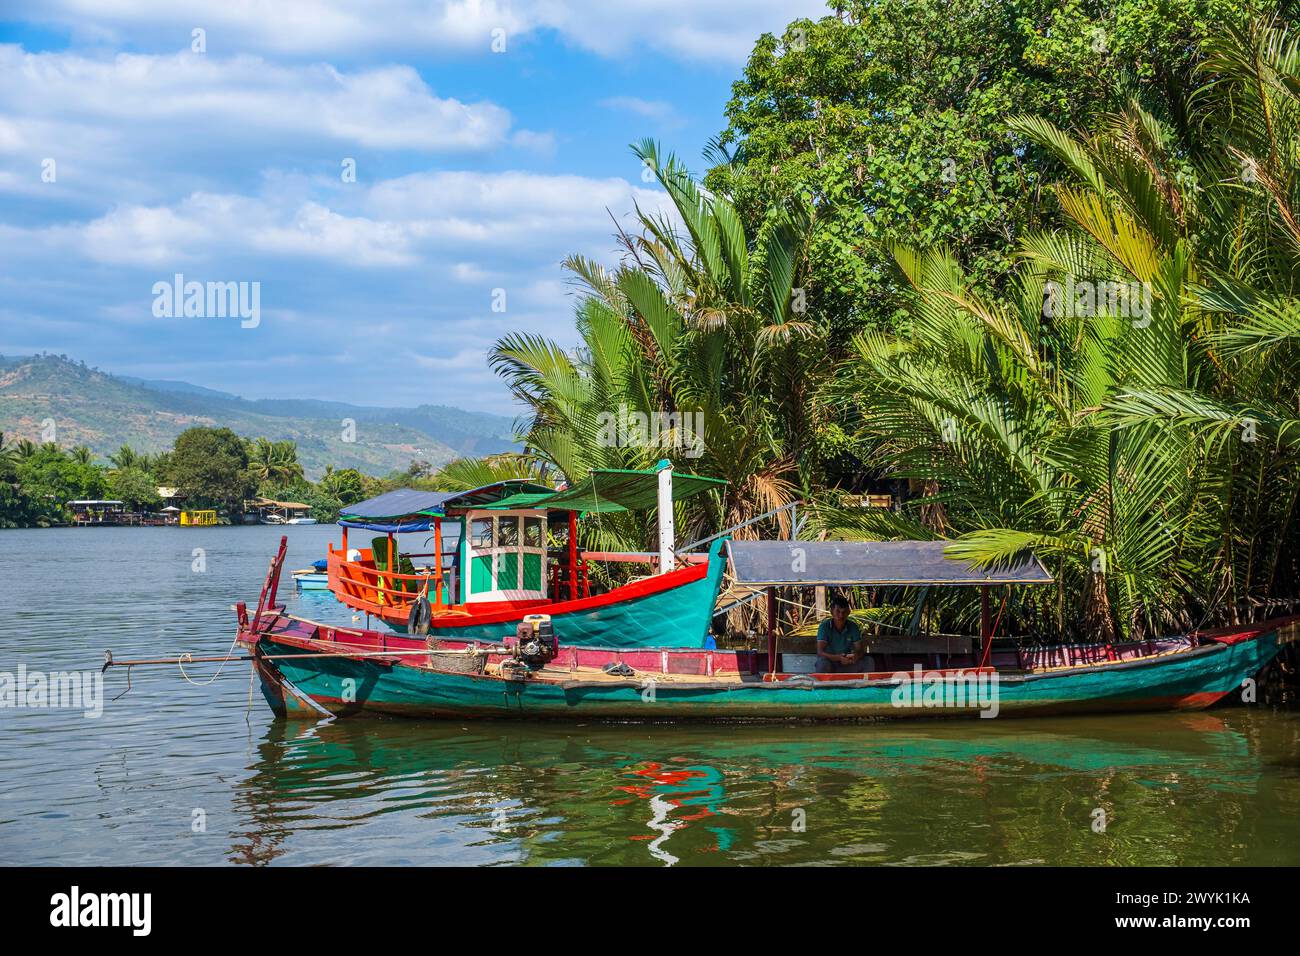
838,641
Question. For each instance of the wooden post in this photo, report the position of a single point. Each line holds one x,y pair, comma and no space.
388,580
667,534
437,562
771,630
573,555
986,625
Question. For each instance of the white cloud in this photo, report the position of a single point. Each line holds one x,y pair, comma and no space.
508,210
409,265
721,31
290,27
232,100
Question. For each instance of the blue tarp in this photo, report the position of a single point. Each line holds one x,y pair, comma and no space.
396,511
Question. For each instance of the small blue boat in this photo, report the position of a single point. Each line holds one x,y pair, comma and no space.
315,578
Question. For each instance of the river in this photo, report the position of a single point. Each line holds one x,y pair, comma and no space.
197,771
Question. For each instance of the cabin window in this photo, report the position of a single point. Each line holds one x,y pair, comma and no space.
532,532
508,532
507,557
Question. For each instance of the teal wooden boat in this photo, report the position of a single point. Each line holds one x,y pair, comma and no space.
299,678
487,561
313,669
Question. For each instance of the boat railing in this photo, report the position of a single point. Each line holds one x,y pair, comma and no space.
363,586
376,589
560,579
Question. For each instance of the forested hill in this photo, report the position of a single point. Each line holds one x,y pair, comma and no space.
105,411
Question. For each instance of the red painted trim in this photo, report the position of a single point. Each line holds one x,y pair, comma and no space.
498,612
1244,632
876,675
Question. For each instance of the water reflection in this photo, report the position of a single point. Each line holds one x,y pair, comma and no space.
1174,789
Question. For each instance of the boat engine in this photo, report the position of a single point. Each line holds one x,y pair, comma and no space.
535,641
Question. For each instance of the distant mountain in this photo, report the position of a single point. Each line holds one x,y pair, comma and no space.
166,385
105,411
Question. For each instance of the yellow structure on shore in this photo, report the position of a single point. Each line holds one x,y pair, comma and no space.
198,519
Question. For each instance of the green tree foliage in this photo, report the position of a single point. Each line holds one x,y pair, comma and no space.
464,474
706,324
890,117
346,486
15,507
210,467
50,478
134,487
1144,442
273,462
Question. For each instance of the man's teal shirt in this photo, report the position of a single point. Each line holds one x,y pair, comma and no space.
839,642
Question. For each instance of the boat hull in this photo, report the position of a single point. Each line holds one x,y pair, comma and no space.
340,685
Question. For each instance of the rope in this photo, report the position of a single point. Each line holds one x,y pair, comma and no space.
988,648
180,663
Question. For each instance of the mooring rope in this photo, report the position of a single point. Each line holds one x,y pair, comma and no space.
180,663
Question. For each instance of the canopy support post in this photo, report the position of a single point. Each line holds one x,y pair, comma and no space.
388,579
986,625
573,556
667,560
437,562
771,631
345,542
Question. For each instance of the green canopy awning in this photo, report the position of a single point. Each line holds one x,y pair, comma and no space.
608,489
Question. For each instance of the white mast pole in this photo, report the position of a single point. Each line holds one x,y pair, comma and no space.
667,561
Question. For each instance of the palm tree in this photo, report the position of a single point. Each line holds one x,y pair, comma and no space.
274,463
82,455
1147,447
707,325
464,474
1232,229
8,454
994,406
126,457
346,486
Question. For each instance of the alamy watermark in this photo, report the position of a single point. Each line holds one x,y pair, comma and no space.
75,690
627,429
1084,298
951,689
75,908
208,300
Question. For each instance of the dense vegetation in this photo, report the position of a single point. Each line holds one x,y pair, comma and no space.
209,467
1028,267
1080,337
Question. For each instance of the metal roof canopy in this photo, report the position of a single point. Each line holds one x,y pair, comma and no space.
407,509
878,563
608,490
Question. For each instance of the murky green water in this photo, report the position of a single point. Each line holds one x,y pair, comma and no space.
179,773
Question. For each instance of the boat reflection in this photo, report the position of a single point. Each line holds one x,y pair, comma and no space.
505,793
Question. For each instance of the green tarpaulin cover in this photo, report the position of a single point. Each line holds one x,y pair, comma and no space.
608,489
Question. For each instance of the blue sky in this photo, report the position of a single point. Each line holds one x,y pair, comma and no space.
476,171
